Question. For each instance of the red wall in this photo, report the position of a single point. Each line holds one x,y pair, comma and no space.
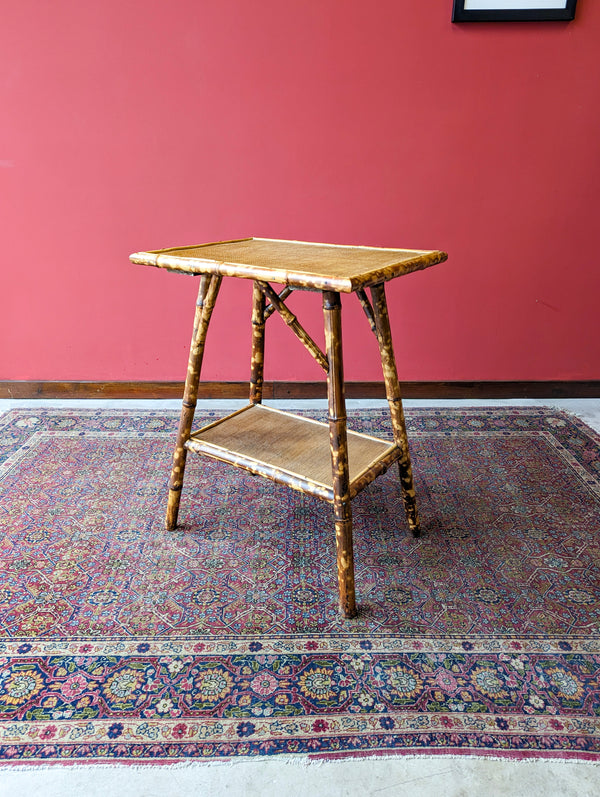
134,124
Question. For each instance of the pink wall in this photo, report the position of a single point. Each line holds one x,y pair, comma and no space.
132,124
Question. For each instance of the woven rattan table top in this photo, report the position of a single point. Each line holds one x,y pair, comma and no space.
296,263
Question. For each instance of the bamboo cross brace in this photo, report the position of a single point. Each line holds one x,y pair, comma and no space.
366,306
283,295
207,296
293,323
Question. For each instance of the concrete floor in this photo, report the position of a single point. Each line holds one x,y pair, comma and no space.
418,777
439,776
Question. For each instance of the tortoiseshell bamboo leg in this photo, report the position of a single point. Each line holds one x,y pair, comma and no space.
394,397
207,296
339,452
258,345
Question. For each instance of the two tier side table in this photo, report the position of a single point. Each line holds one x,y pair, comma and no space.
322,459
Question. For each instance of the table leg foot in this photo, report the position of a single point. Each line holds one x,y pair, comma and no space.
172,509
409,497
345,566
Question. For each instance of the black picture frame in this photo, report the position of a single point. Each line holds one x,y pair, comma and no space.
460,14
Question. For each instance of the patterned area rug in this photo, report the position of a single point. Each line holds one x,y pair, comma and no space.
222,639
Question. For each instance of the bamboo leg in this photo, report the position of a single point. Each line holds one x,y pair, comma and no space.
394,397
339,453
207,296
258,345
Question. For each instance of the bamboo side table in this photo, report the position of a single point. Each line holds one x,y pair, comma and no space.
321,459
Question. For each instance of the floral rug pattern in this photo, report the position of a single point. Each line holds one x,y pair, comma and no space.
119,640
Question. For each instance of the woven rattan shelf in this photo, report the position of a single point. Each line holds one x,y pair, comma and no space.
324,460
291,450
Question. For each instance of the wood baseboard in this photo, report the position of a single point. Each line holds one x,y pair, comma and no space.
298,390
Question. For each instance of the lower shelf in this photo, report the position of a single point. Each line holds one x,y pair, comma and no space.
291,450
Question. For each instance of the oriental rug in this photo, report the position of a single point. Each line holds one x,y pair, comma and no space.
120,641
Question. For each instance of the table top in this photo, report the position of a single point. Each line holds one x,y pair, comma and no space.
298,264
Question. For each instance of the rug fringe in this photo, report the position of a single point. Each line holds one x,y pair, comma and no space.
301,761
